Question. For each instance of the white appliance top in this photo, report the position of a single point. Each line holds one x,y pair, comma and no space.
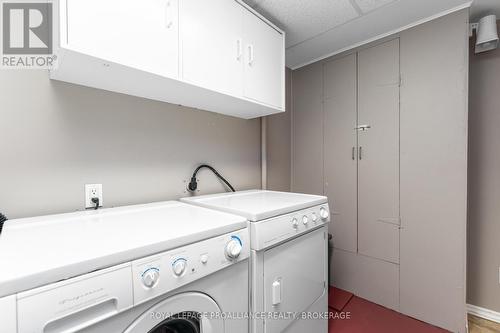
41,250
257,205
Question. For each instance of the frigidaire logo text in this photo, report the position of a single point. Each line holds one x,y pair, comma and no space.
79,297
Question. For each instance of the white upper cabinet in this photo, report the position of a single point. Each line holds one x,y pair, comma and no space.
211,42
264,61
215,55
139,34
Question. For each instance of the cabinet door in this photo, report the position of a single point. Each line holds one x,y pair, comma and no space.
211,39
139,34
378,165
340,150
264,62
8,324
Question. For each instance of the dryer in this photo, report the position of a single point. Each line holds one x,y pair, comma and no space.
289,257
193,279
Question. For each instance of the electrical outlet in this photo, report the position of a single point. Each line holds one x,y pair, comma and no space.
93,191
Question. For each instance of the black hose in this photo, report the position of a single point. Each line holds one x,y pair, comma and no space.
193,184
2,221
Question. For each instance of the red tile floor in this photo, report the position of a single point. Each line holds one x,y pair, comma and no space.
352,314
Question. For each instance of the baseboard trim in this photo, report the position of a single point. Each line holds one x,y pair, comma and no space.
483,313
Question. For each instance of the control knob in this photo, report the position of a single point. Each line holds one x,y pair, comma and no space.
305,220
233,248
204,258
323,213
179,267
295,223
314,217
150,277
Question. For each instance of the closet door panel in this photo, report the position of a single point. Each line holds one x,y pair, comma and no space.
340,150
378,165
434,136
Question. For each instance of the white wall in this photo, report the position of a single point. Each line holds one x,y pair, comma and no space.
279,145
56,137
483,287
307,129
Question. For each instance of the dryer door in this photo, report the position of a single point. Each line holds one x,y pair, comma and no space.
187,312
294,278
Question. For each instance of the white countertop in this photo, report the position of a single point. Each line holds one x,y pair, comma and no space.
257,205
42,250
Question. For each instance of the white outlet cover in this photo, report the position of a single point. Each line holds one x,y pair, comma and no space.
91,191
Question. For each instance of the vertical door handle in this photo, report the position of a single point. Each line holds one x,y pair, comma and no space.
276,292
239,49
168,15
360,152
250,55
353,153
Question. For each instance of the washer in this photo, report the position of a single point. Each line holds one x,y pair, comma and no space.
165,267
289,257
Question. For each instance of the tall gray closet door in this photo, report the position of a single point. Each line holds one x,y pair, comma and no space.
378,151
340,149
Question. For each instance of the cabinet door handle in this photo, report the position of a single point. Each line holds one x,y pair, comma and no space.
353,153
362,127
276,294
168,19
360,153
239,49
250,55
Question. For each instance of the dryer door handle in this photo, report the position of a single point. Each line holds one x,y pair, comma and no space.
276,292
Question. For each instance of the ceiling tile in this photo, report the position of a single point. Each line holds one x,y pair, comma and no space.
305,19
369,5
378,23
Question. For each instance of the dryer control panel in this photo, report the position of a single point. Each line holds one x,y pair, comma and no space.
161,273
278,229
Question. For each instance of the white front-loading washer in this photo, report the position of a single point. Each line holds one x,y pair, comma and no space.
198,284
289,257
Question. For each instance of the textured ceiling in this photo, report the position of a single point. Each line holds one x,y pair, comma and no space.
369,5
316,29
303,20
